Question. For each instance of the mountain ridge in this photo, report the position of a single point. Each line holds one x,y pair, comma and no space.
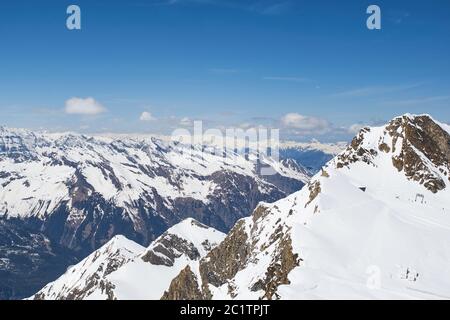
80,191
361,229
67,176
124,270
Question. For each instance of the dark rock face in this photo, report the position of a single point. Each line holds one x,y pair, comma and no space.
234,254
28,260
219,266
168,249
283,263
224,261
184,287
416,143
314,191
424,135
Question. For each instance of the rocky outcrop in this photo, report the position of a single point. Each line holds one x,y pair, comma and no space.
417,145
420,141
284,261
184,287
241,248
223,262
168,249
314,190
356,151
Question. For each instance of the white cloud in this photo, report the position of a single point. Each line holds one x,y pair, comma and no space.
305,123
185,121
82,106
246,125
147,116
355,128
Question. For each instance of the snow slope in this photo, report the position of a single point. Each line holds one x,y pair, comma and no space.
92,271
373,224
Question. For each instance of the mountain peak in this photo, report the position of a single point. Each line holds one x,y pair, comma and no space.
79,280
120,242
188,238
415,145
122,269
381,206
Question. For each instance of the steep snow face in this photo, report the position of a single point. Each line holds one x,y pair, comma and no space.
99,187
365,227
80,280
126,271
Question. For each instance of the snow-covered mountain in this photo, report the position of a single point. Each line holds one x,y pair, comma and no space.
80,280
124,270
78,192
88,189
374,223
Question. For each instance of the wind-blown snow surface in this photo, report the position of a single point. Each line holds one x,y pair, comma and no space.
124,270
362,229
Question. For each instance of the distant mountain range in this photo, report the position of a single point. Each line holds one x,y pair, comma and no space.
67,195
312,155
372,223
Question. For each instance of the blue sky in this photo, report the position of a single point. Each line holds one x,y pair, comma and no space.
311,68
